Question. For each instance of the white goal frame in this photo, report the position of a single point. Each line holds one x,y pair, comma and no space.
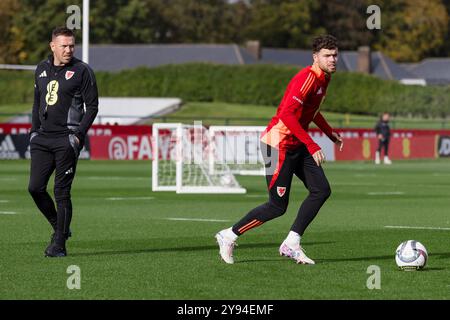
258,168
179,186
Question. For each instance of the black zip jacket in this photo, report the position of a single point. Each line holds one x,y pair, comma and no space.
60,96
382,127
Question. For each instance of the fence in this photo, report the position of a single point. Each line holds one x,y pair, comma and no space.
337,122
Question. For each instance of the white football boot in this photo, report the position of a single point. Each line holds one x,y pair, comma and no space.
297,253
226,246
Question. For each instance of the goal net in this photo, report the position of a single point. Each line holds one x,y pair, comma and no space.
184,161
238,147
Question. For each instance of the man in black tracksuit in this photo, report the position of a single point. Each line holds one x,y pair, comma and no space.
64,85
383,132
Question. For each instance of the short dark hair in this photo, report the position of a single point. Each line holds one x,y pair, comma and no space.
324,42
62,31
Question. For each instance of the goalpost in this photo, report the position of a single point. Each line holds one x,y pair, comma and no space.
238,147
195,159
184,161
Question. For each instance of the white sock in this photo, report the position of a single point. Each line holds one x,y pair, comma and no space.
293,238
230,234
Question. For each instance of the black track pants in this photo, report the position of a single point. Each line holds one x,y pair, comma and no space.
281,165
50,154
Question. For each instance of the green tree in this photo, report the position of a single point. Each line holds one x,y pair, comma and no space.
11,39
210,21
283,23
167,21
127,21
36,21
346,20
445,50
412,29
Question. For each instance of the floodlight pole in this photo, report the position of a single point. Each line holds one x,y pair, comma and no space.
86,31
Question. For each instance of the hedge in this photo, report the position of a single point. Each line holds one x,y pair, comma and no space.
251,84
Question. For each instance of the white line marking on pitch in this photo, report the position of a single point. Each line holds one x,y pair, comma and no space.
129,198
8,212
362,184
195,219
395,193
420,228
4,201
365,175
117,178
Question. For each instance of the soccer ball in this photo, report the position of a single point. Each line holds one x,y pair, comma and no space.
226,180
411,255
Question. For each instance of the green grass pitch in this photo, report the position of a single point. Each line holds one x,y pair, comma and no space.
128,245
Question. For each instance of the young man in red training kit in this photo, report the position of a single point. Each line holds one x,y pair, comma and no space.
288,149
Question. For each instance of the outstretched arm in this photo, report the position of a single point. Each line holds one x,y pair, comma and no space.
323,125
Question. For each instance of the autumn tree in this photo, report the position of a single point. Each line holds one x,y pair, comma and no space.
412,29
12,40
283,23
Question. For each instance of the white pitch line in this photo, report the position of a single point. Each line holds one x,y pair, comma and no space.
420,228
195,219
116,178
8,212
362,184
363,175
4,201
129,198
385,193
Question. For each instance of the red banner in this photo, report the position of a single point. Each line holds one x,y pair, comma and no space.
121,147
134,142
415,147
120,142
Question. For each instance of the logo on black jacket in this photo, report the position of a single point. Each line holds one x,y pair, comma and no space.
281,191
69,74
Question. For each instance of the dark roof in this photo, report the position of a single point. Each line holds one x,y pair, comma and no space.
297,57
434,70
246,56
287,56
381,66
120,57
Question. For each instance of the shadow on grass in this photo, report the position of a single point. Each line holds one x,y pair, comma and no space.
444,255
119,249
357,259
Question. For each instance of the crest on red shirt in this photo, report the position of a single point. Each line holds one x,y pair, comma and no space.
69,74
281,191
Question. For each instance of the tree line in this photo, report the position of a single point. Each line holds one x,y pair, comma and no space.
410,30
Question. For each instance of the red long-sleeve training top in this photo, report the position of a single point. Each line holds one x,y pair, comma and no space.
298,108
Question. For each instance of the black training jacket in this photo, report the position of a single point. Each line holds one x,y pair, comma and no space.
382,127
60,96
